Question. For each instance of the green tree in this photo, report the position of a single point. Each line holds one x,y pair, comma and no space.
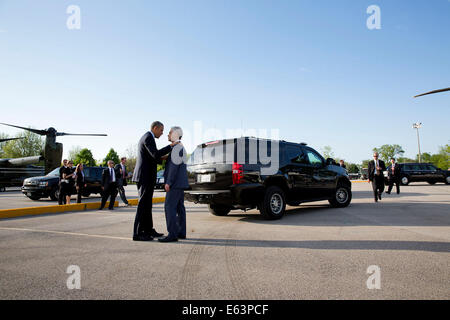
327,152
73,153
85,157
388,151
31,145
112,155
352,168
2,144
404,160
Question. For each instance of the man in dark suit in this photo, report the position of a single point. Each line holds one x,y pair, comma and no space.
62,196
145,177
176,181
393,176
375,170
122,178
109,185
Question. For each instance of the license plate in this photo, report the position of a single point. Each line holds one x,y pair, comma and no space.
205,178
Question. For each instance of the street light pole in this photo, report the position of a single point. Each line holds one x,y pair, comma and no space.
417,126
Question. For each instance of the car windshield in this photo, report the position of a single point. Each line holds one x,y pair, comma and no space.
54,172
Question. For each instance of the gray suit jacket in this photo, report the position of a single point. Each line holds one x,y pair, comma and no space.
175,173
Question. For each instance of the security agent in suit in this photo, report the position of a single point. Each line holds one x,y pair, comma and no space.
375,170
145,177
393,176
109,185
122,178
176,181
62,196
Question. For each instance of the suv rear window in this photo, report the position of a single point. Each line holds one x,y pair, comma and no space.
228,151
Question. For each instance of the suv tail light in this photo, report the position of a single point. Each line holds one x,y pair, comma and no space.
237,172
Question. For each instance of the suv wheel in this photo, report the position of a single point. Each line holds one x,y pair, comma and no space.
404,180
432,182
342,197
218,210
274,203
447,180
34,197
54,194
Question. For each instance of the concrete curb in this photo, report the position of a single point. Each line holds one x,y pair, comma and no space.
30,211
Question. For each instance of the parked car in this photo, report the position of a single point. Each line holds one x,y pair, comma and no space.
421,172
303,175
159,180
48,186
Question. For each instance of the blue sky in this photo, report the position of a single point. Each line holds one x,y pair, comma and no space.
311,69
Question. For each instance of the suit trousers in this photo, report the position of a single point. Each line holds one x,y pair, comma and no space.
393,180
377,185
175,213
109,192
80,192
122,191
62,194
143,222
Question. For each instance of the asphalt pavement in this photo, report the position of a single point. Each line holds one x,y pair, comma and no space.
314,252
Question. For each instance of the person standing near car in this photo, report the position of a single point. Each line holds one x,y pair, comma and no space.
69,180
176,181
393,176
80,182
145,177
375,171
61,195
122,178
109,185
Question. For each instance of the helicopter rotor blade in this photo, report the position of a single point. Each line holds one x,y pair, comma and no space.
81,134
431,92
39,132
9,139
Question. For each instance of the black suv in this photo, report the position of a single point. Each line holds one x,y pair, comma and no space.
422,172
48,186
219,179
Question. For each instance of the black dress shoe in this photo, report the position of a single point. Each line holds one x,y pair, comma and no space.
181,237
155,234
110,208
142,237
379,196
168,239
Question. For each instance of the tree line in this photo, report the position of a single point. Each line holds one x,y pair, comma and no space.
32,144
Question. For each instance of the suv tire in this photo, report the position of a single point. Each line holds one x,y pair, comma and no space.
342,197
404,180
54,194
218,210
34,197
274,203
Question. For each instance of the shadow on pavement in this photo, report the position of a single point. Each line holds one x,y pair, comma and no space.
327,244
359,214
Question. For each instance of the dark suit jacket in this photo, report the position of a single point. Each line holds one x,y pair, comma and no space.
122,181
371,169
396,171
175,173
147,159
106,177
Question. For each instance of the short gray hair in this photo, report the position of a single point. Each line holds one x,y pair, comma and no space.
156,124
178,131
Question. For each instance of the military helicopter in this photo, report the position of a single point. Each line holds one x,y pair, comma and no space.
14,171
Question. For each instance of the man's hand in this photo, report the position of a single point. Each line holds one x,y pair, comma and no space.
165,157
167,187
174,143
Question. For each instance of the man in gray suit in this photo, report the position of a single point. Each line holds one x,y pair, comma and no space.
176,181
